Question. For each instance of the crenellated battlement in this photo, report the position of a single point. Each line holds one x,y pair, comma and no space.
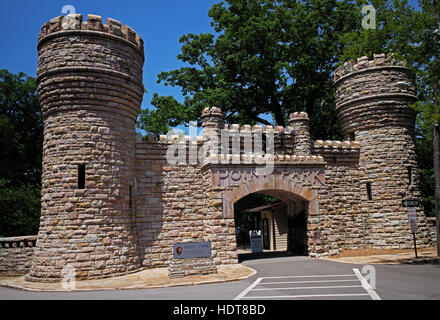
299,116
260,159
374,93
363,64
93,26
285,139
290,144
336,145
337,152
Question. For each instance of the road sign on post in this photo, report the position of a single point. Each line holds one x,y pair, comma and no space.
412,218
411,203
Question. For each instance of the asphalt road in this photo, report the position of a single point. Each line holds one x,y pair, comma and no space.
284,278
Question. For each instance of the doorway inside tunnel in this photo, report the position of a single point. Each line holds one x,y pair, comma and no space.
270,223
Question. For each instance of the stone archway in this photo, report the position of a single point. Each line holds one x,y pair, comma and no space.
236,182
230,182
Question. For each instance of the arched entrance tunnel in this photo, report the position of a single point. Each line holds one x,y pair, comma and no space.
278,216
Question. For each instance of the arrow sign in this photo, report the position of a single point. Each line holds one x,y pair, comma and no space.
411,203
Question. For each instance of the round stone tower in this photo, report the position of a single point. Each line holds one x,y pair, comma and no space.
372,104
90,87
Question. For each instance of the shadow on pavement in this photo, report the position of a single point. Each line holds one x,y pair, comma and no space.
264,255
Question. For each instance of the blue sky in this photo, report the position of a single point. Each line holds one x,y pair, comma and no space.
160,24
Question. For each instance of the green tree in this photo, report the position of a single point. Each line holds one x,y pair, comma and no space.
394,32
20,209
427,62
425,161
21,137
21,129
267,57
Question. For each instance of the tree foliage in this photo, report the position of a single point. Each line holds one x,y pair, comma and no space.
21,134
266,57
427,62
21,129
425,162
277,57
394,32
20,209
412,34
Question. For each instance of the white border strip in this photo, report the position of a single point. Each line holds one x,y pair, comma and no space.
246,291
366,285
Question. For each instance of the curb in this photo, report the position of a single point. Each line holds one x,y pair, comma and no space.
364,260
135,287
422,261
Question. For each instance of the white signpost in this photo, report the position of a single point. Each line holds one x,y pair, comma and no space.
412,218
256,241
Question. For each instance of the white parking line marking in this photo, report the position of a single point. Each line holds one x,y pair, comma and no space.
245,291
309,296
373,294
313,276
297,288
321,281
310,281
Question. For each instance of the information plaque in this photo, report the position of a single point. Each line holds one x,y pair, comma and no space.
192,250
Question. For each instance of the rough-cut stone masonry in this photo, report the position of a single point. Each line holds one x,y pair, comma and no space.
16,254
179,268
90,86
174,203
340,225
372,103
135,204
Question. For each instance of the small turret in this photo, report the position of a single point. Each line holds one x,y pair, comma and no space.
212,121
301,126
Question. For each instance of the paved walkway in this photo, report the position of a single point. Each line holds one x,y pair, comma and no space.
424,256
151,278
158,278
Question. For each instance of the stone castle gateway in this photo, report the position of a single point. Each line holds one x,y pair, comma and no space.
112,204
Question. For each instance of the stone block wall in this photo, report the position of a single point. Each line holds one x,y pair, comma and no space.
387,165
341,223
174,204
16,255
179,268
